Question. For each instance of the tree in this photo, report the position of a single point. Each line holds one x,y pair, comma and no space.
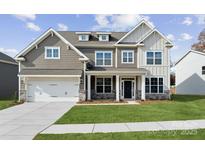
200,46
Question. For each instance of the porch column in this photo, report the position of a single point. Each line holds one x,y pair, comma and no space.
117,88
89,87
143,87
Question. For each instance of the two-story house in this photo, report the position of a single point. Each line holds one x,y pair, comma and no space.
68,65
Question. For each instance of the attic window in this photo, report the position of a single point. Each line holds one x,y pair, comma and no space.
203,70
83,37
104,37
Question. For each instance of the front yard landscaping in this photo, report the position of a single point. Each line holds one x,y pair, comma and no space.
179,108
154,135
7,103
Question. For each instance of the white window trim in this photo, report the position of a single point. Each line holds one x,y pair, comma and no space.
103,84
107,37
80,37
52,52
153,58
127,51
103,59
157,85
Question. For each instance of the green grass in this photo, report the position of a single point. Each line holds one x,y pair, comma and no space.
7,103
154,135
180,108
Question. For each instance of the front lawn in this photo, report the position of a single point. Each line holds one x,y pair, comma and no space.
7,103
154,135
180,108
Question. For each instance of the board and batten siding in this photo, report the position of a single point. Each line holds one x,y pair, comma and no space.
137,34
35,59
156,43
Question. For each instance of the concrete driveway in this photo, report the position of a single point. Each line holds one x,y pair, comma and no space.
23,122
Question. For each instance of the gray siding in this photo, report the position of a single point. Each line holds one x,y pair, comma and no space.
90,53
69,59
119,58
8,80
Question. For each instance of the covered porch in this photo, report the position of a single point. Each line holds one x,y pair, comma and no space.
116,84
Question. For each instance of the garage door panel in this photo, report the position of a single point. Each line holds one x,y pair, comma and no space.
53,90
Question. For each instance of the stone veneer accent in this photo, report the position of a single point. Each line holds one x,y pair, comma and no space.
166,95
82,95
94,95
23,90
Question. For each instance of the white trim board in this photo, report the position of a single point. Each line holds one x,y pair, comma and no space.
71,76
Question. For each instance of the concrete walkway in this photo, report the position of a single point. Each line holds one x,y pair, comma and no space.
125,127
27,120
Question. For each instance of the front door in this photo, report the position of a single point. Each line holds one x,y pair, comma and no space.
127,89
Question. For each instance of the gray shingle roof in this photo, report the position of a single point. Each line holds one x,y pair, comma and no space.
72,37
6,58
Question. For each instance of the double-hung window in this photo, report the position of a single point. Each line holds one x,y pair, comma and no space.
52,52
103,85
127,56
103,58
203,70
154,57
154,85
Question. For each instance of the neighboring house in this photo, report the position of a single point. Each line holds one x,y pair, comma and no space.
67,65
190,73
8,77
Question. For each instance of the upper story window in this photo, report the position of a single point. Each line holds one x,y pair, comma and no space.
127,56
203,70
52,52
83,37
154,85
103,37
103,58
154,57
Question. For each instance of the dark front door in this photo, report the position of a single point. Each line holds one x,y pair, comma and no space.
127,89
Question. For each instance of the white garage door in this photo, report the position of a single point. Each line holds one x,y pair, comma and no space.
53,90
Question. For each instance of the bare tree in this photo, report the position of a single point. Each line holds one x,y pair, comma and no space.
200,46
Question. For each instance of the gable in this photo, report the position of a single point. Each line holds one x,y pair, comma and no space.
69,59
137,34
154,42
42,37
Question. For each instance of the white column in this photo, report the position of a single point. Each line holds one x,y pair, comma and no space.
117,88
89,87
143,87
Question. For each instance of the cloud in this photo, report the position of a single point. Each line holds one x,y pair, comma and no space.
185,36
175,47
62,27
122,22
25,17
187,21
32,26
200,19
171,37
11,52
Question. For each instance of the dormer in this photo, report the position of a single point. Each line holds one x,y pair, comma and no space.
83,36
103,36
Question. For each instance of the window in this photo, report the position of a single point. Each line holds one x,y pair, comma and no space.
154,85
154,58
103,85
103,58
203,70
52,52
83,37
103,37
127,56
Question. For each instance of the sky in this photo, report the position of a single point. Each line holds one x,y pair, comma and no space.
17,31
